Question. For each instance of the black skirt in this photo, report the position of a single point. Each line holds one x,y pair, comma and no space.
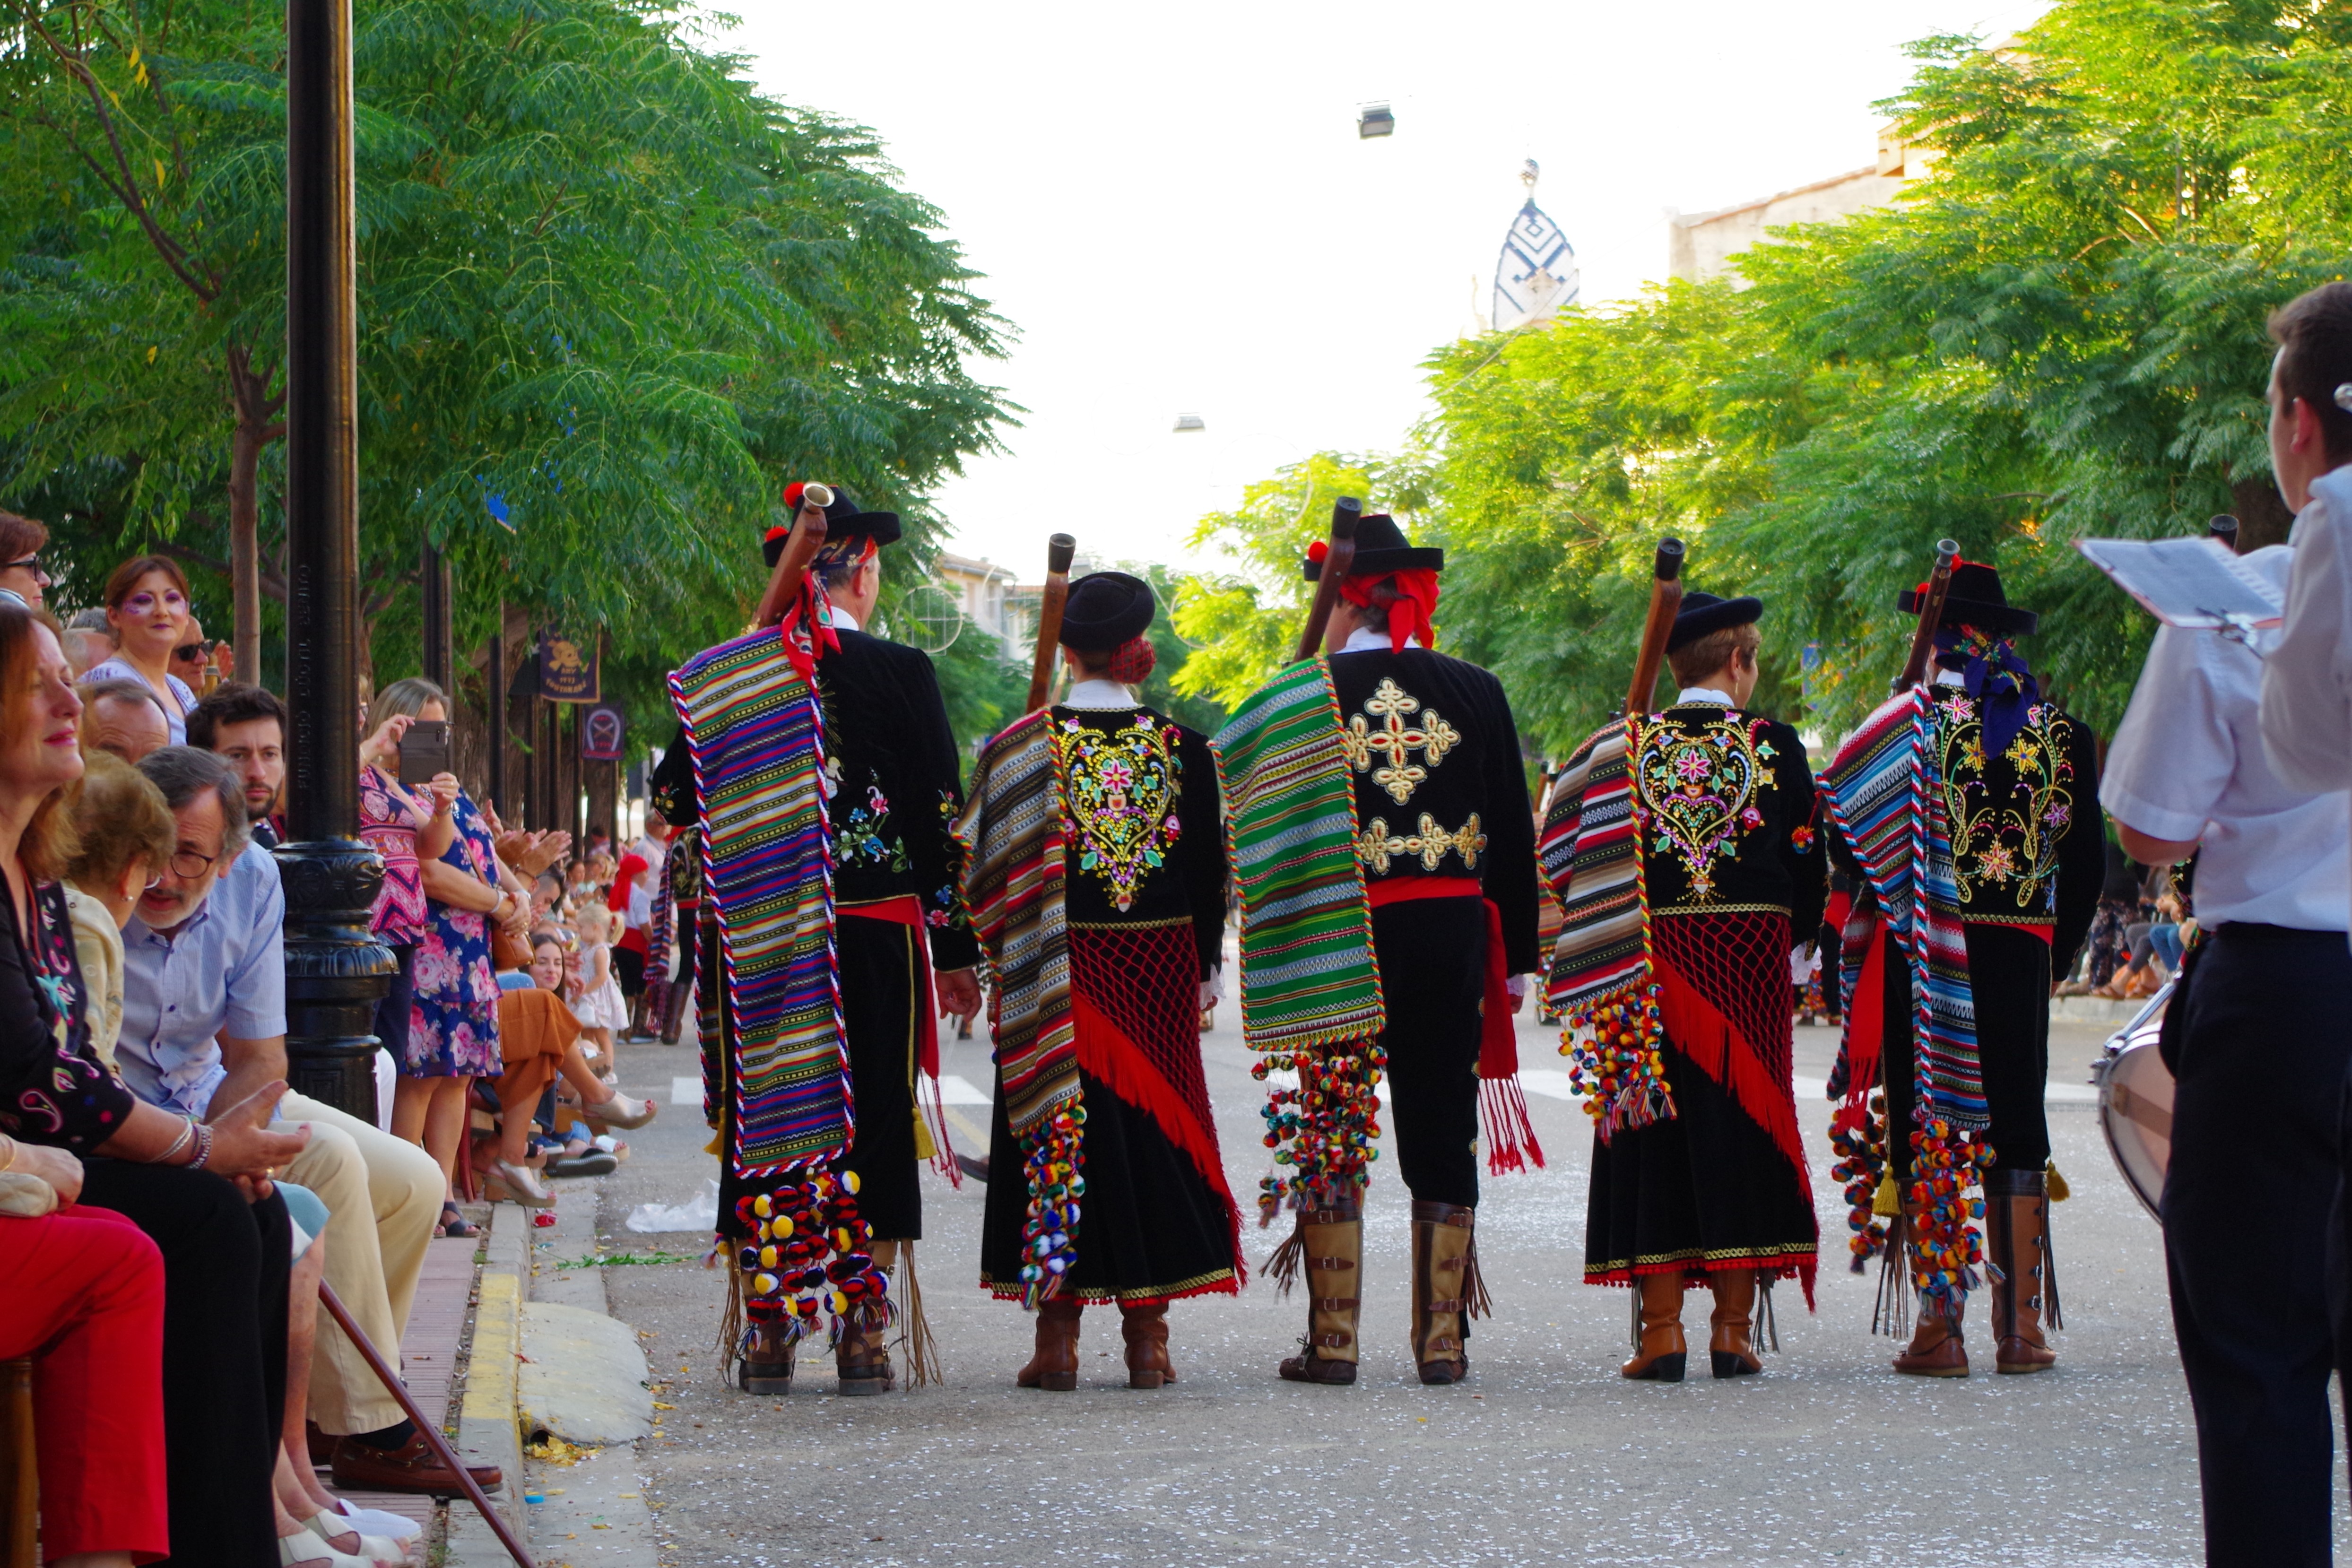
1704,1190
1151,1227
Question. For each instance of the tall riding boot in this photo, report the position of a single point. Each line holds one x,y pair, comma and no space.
860,1353
1055,1363
765,1363
1731,1345
1145,1326
1936,1349
1660,1350
1333,1241
1443,1280
2017,1233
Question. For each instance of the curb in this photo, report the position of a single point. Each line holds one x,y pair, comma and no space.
486,1421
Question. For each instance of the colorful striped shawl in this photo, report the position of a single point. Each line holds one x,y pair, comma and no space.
1309,978
1011,827
1591,856
755,729
1882,797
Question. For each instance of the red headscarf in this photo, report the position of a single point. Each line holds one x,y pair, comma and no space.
1416,597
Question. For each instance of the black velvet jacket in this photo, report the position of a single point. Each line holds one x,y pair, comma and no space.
897,783
53,1089
1729,799
1146,837
1441,790
2029,840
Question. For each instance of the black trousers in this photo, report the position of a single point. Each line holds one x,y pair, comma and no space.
879,1000
2259,1044
1432,958
629,970
2009,974
225,1264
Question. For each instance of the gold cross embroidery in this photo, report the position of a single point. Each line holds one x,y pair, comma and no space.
1378,844
1389,703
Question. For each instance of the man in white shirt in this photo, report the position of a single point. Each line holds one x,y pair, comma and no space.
2259,1042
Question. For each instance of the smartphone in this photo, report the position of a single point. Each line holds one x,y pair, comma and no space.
423,751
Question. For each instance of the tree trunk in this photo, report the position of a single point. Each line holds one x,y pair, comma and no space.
249,397
2262,516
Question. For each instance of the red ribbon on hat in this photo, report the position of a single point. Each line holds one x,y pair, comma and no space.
1415,589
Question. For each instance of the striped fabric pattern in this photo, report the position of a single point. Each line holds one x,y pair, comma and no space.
1309,978
1882,796
1016,862
1591,854
756,732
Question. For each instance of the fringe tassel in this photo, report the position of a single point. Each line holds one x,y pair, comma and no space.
1633,1333
1892,1314
1509,1133
2049,1270
1282,1265
1767,1325
931,1110
914,1329
730,1326
1474,1292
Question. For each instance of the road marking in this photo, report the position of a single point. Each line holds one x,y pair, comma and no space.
686,1091
955,1091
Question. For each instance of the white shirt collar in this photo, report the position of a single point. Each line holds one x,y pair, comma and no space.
1945,677
1100,694
1364,639
1706,695
840,618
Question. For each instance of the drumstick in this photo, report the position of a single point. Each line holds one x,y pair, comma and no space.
800,549
1665,598
1345,512
1059,551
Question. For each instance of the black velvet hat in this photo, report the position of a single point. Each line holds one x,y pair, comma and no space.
1702,613
1381,547
1975,598
843,523
1105,609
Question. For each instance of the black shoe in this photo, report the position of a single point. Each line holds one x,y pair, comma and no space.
595,1162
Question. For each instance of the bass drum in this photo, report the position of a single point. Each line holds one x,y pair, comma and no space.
2135,1101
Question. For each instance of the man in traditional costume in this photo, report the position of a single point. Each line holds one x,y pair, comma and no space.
813,746
1094,880
1698,1168
1992,790
1380,791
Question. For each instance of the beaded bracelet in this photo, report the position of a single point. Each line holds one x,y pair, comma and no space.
204,1146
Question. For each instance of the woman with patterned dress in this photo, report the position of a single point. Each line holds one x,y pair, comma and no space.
1705,1181
1142,1215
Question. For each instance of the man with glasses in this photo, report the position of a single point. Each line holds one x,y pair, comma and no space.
203,1023
23,576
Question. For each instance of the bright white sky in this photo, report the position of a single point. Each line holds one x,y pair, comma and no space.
1170,203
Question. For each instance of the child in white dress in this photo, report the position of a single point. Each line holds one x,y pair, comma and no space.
599,1005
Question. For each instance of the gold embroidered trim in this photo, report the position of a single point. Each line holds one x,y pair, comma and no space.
2012,844
1730,909
1698,782
1395,737
1378,844
1128,925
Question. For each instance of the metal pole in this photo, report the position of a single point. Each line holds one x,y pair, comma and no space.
335,970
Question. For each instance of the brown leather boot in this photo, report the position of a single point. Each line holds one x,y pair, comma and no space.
1936,1349
2017,1238
1661,1352
766,1364
1145,1326
1731,1344
1440,1289
1333,1240
1055,1365
860,1355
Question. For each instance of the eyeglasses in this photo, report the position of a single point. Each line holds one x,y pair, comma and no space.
192,653
31,564
188,866
144,603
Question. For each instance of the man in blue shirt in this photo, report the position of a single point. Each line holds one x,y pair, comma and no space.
204,1022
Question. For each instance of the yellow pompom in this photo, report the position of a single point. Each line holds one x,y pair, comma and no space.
849,1180
763,1284
761,1207
780,1226
767,1257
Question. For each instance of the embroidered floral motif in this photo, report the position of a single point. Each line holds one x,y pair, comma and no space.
1697,780
2005,843
1378,844
865,835
1389,704
1119,797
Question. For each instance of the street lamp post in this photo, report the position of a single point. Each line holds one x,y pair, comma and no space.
335,970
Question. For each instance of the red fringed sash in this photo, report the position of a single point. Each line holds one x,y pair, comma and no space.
906,909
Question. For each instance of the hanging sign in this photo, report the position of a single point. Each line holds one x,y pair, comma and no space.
567,670
601,731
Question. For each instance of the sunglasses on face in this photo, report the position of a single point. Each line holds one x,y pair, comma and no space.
192,653
144,603
30,565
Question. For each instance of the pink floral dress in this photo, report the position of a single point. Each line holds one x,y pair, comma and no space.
453,1030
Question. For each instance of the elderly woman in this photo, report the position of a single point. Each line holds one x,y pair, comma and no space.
452,1032
127,836
199,1192
147,610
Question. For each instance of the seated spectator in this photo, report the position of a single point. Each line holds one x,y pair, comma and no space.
147,609
121,716
192,661
127,836
204,1017
247,726
22,572
87,640
226,1252
540,1038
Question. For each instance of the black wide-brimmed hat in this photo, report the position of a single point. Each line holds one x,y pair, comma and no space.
1381,547
1974,599
1703,614
1105,609
843,524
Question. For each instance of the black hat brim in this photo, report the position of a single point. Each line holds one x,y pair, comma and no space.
1999,620
1126,620
1690,625
882,528
1380,562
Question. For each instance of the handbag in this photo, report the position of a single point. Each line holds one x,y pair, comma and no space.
506,952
